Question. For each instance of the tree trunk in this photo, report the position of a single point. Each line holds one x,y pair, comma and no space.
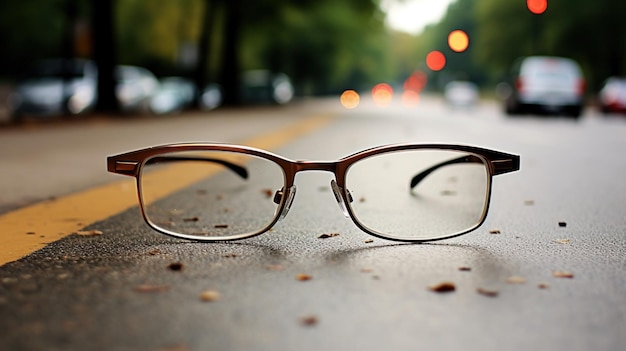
104,53
230,66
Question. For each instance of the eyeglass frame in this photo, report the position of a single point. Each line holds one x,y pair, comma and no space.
131,164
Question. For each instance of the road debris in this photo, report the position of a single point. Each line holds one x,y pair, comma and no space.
563,274
176,266
327,235
487,292
494,231
516,280
369,241
309,321
562,224
303,277
274,267
148,288
465,269
93,232
443,287
210,296
562,241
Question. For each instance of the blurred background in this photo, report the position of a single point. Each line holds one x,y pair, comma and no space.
164,56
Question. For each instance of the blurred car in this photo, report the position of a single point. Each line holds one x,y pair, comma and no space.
612,96
461,94
174,94
56,86
263,86
135,87
546,84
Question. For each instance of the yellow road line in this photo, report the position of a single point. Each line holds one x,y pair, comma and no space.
26,230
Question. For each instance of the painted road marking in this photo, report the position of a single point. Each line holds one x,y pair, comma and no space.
32,228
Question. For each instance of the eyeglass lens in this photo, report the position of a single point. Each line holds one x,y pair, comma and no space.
235,197
419,194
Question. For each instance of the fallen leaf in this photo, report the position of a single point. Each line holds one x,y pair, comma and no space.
562,241
516,280
191,219
443,287
147,288
309,321
176,266
529,202
448,192
220,226
327,235
210,296
562,224
369,241
366,270
543,285
303,277
154,252
494,231
275,267
465,269
487,292
562,274
267,192
92,232
230,255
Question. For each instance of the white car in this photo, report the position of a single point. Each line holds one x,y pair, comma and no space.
461,94
546,84
135,88
56,86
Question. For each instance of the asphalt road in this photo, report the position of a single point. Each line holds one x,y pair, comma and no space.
544,272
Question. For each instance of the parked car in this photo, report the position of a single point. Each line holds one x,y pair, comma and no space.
56,86
461,94
263,86
135,87
174,94
612,96
546,84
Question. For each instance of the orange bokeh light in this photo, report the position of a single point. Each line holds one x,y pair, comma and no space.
458,40
382,94
537,6
350,99
435,60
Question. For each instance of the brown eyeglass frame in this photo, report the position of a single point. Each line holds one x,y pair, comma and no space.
131,163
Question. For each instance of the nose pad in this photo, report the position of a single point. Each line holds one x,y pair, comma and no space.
337,191
291,193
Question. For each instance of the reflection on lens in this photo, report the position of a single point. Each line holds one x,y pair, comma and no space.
234,198
419,194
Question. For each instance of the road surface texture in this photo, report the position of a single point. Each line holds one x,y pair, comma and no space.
544,272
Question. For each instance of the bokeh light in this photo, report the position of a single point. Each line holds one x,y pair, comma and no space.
537,6
435,60
410,98
458,40
416,81
350,99
382,94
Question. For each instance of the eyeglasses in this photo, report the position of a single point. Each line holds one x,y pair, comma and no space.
402,192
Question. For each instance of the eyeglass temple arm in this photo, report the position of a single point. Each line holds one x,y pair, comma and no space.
239,170
500,166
